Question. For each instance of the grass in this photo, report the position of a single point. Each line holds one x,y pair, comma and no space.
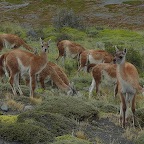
54,110
14,105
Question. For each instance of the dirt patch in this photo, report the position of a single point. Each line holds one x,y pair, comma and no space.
107,132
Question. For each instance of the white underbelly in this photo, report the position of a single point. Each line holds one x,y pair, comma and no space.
69,54
23,69
92,60
108,79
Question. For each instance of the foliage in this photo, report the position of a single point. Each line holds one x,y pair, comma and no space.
55,123
67,18
70,107
67,139
73,33
10,28
8,119
25,133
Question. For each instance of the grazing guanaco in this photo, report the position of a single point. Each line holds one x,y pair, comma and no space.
101,71
47,72
57,78
69,49
12,41
95,57
128,85
20,62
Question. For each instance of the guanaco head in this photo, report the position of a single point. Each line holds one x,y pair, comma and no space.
120,56
72,90
45,45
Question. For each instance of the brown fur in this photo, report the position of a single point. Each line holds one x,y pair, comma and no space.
68,48
19,62
128,84
47,71
100,70
55,77
98,55
13,41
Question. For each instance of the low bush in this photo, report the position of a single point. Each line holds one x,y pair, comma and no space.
25,133
67,139
70,107
54,123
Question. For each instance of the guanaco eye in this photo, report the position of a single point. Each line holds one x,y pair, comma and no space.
120,57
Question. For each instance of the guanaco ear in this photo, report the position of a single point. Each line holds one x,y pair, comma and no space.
49,41
125,50
116,48
41,41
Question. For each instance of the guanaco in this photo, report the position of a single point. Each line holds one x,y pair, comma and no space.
46,73
128,85
101,71
20,62
69,49
95,57
56,77
12,41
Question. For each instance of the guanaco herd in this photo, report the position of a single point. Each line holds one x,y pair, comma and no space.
18,63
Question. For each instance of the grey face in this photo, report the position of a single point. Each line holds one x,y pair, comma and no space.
44,45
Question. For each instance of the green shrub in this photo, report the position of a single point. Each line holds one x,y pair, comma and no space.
67,139
25,133
70,107
55,123
73,33
67,18
13,29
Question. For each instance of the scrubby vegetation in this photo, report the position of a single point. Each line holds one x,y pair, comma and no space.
55,117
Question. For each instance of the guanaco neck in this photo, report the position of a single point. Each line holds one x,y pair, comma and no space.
43,55
121,70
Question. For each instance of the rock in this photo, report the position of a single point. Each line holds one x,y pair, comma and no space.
4,107
28,107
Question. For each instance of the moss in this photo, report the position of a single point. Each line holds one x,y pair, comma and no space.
25,133
8,119
67,139
55,123
70,107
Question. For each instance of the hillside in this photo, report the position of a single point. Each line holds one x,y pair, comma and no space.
113,13
53,116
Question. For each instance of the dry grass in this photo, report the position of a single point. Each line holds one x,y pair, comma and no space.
131,133
81,135
36,101
12,104
98,140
